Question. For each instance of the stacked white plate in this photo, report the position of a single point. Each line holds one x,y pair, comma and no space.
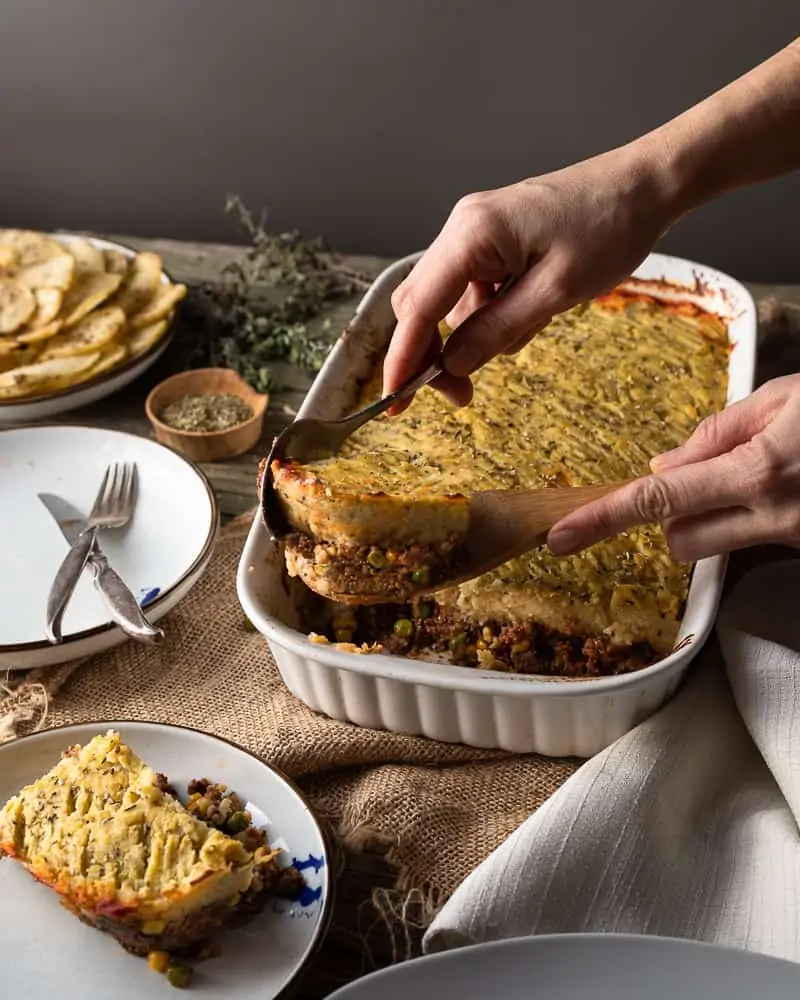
160,555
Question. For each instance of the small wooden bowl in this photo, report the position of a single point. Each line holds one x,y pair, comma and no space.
207,446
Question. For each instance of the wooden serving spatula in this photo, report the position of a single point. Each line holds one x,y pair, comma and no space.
503,524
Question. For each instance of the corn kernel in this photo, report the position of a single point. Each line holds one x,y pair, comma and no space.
158,961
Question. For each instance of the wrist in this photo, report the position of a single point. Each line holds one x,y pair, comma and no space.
654,181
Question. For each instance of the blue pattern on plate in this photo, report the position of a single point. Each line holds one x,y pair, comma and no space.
311,862
307,904
148,595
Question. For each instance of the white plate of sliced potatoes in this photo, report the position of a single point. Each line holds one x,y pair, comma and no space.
80,318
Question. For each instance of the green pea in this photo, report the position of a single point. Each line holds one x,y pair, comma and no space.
456,644
421,575
179,975
237,823
404,627
422,610
376,559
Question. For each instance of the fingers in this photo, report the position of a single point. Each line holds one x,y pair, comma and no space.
719,531
435,285
476,296
683,492
723,431
526,337
458,391
505,321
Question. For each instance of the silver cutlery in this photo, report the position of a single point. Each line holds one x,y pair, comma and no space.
113,508
309,439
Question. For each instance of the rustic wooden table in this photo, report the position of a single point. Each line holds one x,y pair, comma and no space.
357,942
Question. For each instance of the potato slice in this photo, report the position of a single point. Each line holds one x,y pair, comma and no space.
89,335
8,258
88,292
161,305
38,334
13,355
39,259
88,259
29,246
44,376
110,357
8,345
58,272
48,306
17,304
145,337
116,262
144,277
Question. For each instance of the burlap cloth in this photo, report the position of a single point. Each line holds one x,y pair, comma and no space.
436,809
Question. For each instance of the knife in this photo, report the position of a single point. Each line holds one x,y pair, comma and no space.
121,603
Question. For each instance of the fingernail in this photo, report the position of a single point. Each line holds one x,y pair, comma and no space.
664,459
562,542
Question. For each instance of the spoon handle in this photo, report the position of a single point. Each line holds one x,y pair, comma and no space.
408,388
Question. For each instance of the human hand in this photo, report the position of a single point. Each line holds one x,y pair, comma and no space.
735,483
566,236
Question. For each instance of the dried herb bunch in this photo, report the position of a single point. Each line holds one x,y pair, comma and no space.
262,308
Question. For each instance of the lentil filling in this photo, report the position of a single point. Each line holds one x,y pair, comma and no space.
385,572
512,647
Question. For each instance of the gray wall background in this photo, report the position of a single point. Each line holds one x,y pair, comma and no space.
361,120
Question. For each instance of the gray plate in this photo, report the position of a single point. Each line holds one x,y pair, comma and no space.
584,967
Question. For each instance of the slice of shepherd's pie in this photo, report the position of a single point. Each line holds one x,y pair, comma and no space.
108,834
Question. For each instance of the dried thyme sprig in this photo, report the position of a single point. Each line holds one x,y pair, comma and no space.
261,309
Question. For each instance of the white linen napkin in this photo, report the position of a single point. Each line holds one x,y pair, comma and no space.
685,827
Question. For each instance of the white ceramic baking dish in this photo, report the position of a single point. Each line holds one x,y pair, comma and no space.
523,714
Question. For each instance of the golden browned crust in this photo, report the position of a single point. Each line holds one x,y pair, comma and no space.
322,510
591,399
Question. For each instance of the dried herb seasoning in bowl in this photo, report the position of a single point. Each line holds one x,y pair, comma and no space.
206,411
207,414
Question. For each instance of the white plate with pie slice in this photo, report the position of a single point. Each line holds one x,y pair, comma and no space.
46,952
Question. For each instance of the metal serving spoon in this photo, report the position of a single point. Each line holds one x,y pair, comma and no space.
503,524
308,439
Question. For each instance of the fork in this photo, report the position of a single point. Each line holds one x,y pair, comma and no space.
112,509
309,439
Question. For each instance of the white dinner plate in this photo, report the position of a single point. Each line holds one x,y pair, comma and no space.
160,555
65,400
584,967
48,954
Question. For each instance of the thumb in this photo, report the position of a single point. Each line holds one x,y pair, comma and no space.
722,432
